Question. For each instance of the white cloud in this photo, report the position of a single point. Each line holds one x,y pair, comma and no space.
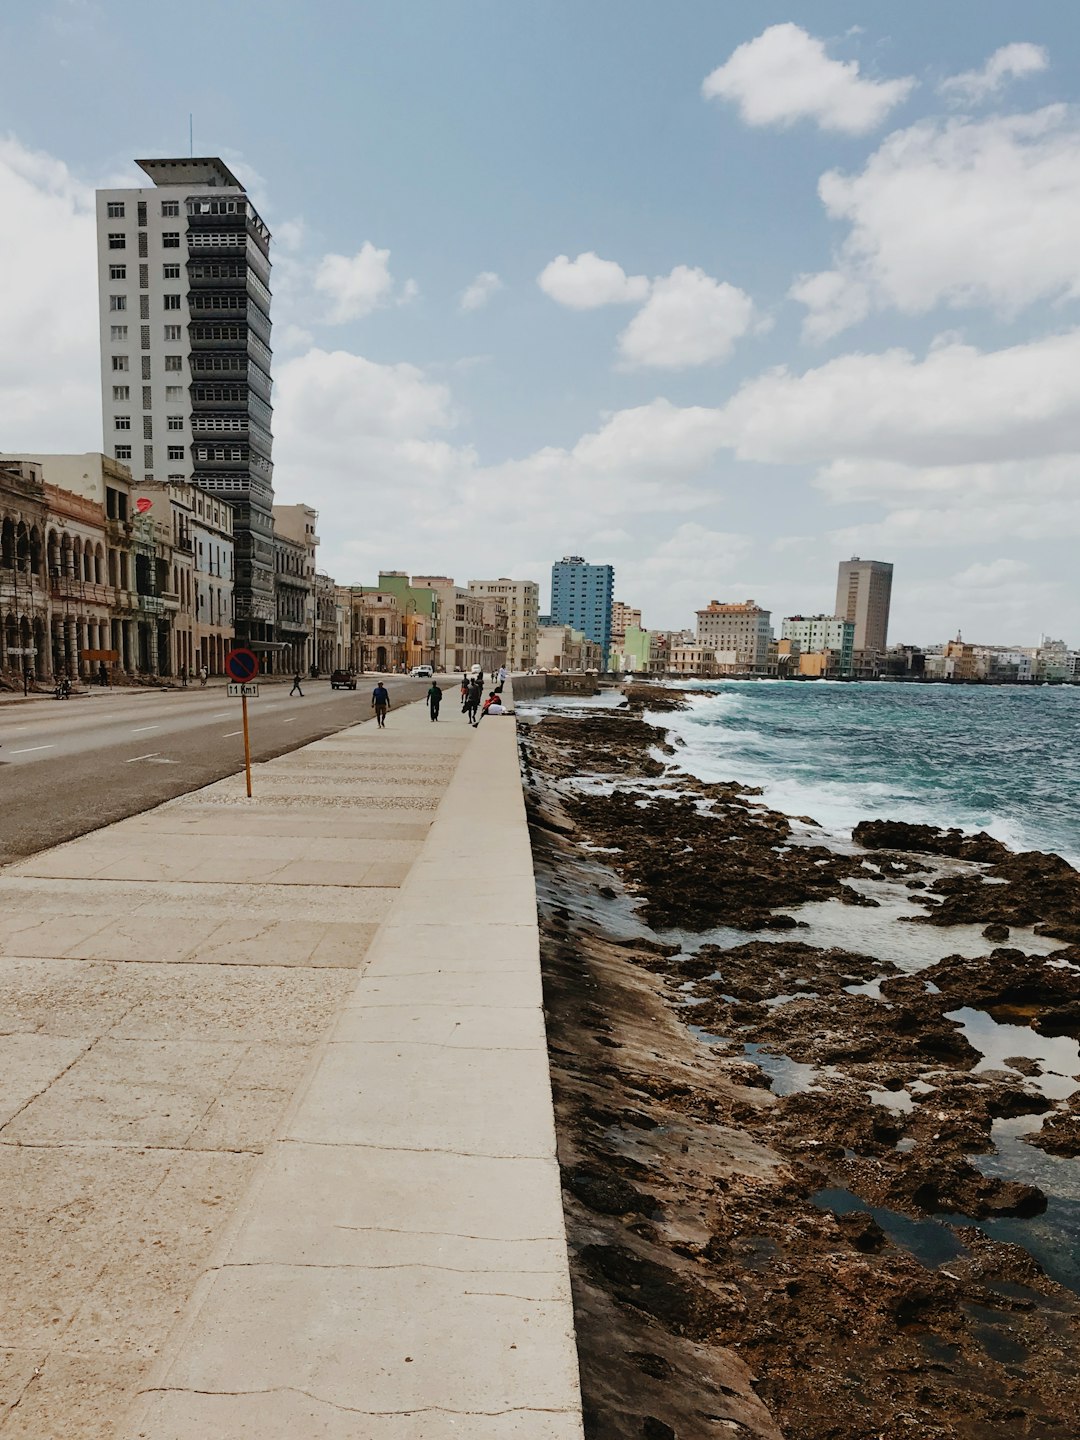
835,302
683,571
785,75
49,364
688,319
477,294
291,235
1010,62
357,284
588,282
957,213
957,405
991,573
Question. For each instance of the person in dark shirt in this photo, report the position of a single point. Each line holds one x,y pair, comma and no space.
434,699
380,703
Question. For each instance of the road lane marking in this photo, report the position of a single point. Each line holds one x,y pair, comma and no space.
290,720
220,715
142,757
33,747
141,728
231,733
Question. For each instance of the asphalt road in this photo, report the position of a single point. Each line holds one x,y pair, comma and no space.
69,766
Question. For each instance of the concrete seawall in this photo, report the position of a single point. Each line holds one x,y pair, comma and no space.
398,1266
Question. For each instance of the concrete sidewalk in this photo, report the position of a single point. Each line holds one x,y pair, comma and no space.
348,1191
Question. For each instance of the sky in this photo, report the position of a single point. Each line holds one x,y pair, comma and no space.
717,293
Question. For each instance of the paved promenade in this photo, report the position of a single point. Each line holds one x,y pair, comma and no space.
276,1145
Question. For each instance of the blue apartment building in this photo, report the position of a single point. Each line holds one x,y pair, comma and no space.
581,596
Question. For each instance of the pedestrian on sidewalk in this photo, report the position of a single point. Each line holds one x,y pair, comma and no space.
472,702
183,677
102,675
296,687
380,703
27,676
502,678
434,699
204,675
464,691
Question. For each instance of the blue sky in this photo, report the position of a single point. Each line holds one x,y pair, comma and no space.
695,409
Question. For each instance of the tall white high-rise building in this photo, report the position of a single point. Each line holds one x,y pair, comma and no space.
183,274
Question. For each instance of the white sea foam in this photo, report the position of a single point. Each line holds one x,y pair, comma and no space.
720,741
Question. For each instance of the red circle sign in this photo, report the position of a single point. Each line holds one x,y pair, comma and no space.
242,665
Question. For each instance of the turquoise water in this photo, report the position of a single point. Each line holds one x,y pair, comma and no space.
1002,759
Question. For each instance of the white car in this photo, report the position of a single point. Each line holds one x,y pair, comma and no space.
422,672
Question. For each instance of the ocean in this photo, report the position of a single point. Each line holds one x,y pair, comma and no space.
1002,759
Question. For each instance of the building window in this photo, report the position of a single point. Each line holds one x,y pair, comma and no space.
176,422
122,422
123,452
117,332
117,272
115,209
121,392
117,302
171,302
175,452
119,362
172,332
170,272
170,240
117,240
174,362
174,392
170,207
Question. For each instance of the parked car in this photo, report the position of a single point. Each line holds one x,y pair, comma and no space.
422,672
342,680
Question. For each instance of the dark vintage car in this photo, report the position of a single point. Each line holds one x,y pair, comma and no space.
342,680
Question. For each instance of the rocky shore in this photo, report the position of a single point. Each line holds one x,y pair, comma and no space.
784,1182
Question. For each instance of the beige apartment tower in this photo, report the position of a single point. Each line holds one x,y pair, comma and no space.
863,594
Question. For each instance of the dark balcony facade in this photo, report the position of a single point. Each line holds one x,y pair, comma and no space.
228,272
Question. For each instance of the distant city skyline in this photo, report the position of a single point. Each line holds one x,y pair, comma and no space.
746,292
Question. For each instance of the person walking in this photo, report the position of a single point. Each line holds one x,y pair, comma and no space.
472,702
434,699
102,675
464,690
183,677
380,703
204,675
502,678
297,689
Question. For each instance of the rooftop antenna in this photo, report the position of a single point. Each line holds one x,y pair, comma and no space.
191,134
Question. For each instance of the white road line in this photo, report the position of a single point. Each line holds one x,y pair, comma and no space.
142,757
220,715
291,720
231,733
141,728
33,747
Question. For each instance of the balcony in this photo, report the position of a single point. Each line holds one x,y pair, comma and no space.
69,587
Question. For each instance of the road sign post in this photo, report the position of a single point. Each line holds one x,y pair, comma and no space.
242,666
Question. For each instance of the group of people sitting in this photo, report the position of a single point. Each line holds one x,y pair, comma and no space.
473,705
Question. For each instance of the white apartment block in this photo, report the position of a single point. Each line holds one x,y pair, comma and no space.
183,276
743,628
521,600
212,555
